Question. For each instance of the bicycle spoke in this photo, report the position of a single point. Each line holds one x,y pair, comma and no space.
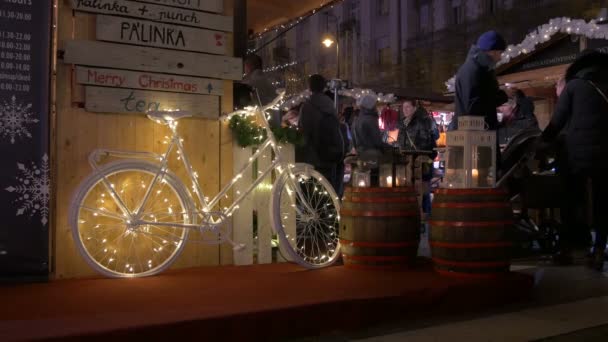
314,211
102,212
120,247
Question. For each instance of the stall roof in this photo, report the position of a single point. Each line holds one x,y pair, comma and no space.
406,93
262,14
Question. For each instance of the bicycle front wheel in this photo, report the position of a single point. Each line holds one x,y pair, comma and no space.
305,215
108,233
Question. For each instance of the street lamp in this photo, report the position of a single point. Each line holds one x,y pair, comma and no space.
329,39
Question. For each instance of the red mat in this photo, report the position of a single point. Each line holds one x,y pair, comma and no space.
259,302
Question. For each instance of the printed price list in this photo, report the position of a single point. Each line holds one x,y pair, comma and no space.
15,46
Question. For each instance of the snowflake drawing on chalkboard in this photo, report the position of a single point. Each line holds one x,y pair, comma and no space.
34,189
14,119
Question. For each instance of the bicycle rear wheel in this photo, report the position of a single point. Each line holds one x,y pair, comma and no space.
307,224
110,240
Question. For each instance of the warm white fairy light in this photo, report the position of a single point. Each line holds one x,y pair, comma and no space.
543,34
280,67
296,21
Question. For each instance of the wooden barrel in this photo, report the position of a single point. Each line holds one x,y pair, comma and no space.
379,227
471,232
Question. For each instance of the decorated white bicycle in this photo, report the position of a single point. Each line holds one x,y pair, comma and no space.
132,216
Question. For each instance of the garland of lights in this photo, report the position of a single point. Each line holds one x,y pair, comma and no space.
543,34
247,133
280,67
289,25
356,93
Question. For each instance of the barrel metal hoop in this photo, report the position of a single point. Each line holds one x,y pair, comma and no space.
470,275
411,199
468,245
392,267
471,264
378,244
471,192
480,224
375,258
378,213
472,205
377,190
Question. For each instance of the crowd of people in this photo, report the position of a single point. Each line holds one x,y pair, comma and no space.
575,128
574,133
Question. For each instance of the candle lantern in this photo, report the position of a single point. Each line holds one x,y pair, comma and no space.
386,175
394,171
361,178
470,155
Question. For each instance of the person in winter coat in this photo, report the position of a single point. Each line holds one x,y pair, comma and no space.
477,91
323,144
520,117
582,110
368,137
418,131
366,130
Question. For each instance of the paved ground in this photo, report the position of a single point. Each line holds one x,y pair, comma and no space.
569,304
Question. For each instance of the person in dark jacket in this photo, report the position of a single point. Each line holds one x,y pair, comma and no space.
520,118
582,110
368,137
418,131
366,130
320,126
477,91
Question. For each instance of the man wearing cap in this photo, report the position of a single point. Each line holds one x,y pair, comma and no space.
477,91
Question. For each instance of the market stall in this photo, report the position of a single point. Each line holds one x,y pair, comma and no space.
536,64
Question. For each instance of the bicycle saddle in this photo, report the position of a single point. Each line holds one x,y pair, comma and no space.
166,117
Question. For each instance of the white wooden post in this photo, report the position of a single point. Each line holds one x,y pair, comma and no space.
258,200
242,219
289,155
261,204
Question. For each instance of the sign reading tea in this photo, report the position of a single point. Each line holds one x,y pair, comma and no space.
116,100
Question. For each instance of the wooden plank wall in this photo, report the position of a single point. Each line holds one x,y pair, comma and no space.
208,143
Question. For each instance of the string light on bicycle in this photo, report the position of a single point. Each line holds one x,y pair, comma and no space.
132,216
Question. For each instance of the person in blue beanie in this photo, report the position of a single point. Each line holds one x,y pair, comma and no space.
477,91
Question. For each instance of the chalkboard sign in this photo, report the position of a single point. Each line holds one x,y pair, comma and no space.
25,44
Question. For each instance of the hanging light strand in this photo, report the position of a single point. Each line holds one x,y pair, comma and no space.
543,34
285,27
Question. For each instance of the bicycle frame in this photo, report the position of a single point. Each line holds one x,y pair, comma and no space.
176,143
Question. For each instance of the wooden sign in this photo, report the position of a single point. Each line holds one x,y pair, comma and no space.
156,13
116,100
202,5
100,54
148,81
148,33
